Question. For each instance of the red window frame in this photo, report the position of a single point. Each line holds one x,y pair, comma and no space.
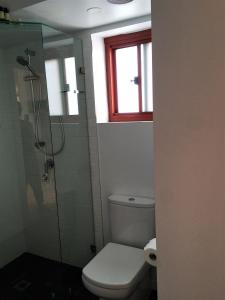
111,45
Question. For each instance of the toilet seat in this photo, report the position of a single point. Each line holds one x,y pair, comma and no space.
115,271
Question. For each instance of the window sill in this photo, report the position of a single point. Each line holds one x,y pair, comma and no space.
130,117
125,122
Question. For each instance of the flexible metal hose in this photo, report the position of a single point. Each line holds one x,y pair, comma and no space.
37,121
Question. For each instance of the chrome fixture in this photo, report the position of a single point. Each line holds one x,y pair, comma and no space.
36,100
23,62
34,76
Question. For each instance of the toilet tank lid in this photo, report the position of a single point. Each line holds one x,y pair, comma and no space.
135,201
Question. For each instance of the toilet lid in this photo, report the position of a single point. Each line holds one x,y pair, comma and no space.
115,266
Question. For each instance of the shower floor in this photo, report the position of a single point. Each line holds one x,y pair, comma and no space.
31,277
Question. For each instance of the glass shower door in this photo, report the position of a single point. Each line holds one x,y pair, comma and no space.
46,213
66,86
28,207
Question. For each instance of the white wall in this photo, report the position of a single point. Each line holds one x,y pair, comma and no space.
73,183
125,149
188,67
126,162
86,36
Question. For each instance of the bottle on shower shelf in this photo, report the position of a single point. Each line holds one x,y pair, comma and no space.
6,14
2,14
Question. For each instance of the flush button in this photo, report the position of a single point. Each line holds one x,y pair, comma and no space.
131,199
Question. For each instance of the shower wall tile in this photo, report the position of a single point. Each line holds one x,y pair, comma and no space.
92,129
73,130
12,247
74,255
38,200
74,194
42,237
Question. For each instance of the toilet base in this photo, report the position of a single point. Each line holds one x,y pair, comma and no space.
142,291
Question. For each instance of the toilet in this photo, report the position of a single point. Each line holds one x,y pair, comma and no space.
118,269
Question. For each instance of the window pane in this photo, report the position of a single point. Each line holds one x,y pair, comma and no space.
71,81
146,60
126,71
55,97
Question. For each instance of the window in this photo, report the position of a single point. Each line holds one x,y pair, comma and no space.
62,86
129,76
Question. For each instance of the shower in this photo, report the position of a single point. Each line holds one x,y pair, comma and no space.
36,100
23,62
45,200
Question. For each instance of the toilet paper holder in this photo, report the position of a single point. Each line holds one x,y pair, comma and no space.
150,253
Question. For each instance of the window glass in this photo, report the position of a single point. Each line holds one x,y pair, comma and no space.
71,81
62,86
129,76
127,85
146,61
55,97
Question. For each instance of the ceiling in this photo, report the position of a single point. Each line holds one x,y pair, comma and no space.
71,15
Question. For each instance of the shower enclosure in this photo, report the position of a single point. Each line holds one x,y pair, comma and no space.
45,187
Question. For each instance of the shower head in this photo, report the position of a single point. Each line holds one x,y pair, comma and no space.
23,62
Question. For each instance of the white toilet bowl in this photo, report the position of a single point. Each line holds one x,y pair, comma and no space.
115,272
118,271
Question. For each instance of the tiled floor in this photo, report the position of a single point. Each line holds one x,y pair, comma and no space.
34,278
153,296
30,277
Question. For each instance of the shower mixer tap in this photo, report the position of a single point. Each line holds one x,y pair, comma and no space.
49,164
29,52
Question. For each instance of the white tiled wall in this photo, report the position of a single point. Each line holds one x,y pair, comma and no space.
97,189
93,141
74,194
126,162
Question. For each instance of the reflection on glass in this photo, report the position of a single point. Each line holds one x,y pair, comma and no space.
55,97
62,86
127,70
146,60
71,81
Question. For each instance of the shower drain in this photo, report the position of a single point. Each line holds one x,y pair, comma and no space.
22,285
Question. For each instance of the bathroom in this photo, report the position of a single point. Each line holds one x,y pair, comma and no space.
67,158
84,173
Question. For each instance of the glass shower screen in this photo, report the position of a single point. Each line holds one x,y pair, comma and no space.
45,187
